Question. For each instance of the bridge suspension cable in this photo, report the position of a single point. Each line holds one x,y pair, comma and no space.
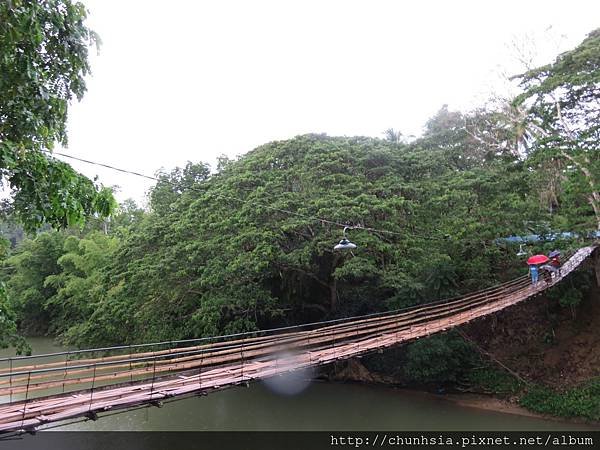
123,381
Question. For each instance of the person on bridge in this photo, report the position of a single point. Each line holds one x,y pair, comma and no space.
534,272
555,260
553,266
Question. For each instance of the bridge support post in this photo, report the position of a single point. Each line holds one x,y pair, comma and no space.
10,380
26,398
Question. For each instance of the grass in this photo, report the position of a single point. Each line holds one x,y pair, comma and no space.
581,401
490,379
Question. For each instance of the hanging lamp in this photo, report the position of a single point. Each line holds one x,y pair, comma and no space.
345,243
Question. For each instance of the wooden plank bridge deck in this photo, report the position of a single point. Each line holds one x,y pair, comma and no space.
43,389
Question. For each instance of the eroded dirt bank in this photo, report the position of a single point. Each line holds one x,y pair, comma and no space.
541,341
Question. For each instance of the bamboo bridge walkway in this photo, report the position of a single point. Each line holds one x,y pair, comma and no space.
42,389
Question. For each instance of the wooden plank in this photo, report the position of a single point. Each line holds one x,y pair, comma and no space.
377,337
208,360
249,340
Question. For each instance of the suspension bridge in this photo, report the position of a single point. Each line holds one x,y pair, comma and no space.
42,389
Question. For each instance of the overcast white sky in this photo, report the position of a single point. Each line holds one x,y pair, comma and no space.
190,80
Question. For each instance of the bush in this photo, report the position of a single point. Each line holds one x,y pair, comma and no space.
495,381
583,401
441,358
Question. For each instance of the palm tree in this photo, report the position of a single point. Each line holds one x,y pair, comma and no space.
393,136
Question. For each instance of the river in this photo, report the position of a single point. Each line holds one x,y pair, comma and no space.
320,406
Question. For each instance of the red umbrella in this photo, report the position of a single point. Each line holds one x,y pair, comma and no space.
538,259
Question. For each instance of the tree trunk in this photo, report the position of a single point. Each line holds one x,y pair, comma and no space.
333,295
333,282
594,198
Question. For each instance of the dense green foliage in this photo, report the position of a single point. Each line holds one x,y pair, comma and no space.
564,114
250,245
490,379
9,335
43,61
244,248
36,260
582,401
441,359
224,257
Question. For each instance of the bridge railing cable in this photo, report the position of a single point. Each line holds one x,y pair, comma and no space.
172,359
362,319
154,359
222,348
329,344
129,347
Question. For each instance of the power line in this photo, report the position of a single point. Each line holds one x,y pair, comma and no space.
237,199
228,197
107,166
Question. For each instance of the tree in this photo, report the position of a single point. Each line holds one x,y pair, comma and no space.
446,132
440,359
127,214
563,103
10,228
77,287
43,61
393,136
33,262
8,319
8,325
242,249
502,128
170,186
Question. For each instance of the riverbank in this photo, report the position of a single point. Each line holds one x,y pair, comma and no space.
490,403
508,401
480,402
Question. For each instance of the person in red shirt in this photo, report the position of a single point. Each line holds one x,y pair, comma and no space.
553,266
555,260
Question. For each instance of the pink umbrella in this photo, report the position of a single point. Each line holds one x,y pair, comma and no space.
538,259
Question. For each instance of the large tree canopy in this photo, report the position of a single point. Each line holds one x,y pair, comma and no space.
563,102
244,248
43,61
